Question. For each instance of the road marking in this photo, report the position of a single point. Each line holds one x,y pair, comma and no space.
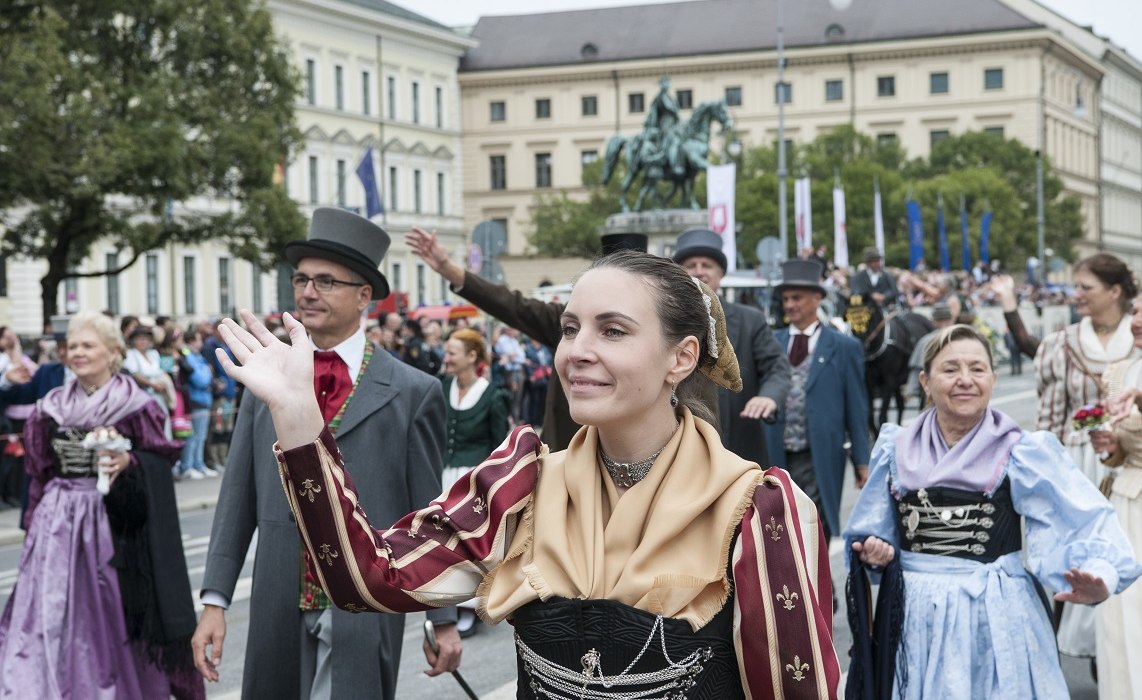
1014,398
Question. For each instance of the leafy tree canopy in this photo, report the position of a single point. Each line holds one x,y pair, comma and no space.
111,110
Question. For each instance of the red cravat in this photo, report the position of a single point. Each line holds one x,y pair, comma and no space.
331,382
800,349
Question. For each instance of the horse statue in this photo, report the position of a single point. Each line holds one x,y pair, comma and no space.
674,155
888,342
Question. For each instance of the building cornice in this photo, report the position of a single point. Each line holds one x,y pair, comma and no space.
362,19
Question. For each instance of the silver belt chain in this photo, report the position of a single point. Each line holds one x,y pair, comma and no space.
560,683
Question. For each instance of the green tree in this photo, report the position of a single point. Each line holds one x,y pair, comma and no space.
111,110
565,226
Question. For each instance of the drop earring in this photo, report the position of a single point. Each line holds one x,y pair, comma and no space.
673,396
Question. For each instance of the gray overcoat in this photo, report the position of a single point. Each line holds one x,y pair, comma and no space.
391,436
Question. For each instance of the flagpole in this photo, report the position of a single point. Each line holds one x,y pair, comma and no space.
782,214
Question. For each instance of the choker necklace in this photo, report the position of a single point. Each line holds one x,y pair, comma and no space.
627,474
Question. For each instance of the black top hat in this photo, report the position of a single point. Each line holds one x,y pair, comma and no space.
623,241
871,253
800,274
941,312
346,239
700,241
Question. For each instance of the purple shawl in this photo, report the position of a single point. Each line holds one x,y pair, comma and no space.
974,464
71,407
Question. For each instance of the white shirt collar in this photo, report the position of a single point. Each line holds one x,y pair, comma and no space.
794,330
351,351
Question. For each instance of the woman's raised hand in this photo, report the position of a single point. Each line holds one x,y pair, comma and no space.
280,375
1086,589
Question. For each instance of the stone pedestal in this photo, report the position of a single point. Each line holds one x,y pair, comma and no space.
661,226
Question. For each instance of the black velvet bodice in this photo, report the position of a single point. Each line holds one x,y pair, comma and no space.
958,523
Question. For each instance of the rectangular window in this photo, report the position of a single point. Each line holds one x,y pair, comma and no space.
416,191
339,87
396,282
734,96
440,194
996,130
589,156
314,194
439,108
224,301
152,284
366,93
936,136
70,293
112,261
590,105
421,284
392,188
415,102
636,103
499,172
256,277
685,99
887,138
886,86
391,96
543,170
781,95
543,108
503,224
310,81
340,183
993,79
498,111
938,83
188,285
834,90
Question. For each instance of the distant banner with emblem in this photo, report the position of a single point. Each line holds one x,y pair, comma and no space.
803,213
720,184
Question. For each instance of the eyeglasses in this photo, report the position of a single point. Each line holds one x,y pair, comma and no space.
322,283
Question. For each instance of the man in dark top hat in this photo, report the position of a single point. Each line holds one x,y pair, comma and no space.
764,369
874,282
537,319
389,421
827,398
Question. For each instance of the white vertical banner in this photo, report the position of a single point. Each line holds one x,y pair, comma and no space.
720,186
803,213
840,235
878,221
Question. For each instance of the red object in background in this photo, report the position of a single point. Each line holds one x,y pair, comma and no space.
396,302
444,312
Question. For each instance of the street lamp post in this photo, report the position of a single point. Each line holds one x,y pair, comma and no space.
782,173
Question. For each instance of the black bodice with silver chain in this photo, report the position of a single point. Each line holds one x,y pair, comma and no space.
958,523
596,649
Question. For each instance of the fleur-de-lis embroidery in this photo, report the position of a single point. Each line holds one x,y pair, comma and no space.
478,505
328,554
439,521
797,668
354,608
309,489
774,528
786,598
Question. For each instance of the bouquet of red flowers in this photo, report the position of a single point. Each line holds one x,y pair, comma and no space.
1090,417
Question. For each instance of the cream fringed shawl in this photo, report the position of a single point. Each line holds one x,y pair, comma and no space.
663,547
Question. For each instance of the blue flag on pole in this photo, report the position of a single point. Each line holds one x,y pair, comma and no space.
368,178
915,234
985,237
965,240
945,256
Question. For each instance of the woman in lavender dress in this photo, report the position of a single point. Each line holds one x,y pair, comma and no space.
102,606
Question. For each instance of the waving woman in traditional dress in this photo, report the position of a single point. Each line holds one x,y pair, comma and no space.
951,497
644,558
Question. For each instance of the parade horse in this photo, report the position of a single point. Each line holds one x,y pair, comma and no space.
888,341
675,156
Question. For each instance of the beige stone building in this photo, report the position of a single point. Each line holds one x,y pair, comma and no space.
542,93
374,75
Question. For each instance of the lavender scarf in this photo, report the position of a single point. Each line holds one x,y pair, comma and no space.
976,462
71,407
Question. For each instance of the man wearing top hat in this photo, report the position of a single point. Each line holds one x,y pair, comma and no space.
538,319
827,399
874,282
764,369
389,422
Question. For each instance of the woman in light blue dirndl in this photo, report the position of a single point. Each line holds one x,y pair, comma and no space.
949,497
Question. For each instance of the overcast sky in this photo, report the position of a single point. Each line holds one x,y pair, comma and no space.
1120,20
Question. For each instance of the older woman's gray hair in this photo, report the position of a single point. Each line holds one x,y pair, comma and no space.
950,335
108,333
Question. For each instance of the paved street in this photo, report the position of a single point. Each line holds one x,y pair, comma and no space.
489,662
